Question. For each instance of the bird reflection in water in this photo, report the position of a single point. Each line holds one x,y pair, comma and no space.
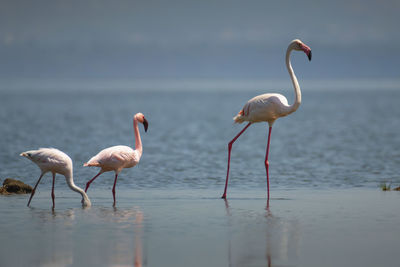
126,248
274,241
58,249
138,229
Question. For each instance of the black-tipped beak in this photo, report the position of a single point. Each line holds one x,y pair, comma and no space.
309,56
145,124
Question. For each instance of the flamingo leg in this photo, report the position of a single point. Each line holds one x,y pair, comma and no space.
229,156
113,190
52,189
267,163
91,180
34,189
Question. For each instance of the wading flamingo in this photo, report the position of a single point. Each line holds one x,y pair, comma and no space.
55,161
269,107
116,158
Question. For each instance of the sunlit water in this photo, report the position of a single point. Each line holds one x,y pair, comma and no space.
336,139
168,208
149,227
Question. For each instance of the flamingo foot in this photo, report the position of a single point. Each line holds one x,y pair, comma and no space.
33,193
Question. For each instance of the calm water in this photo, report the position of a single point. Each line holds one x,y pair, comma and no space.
150,227
326,163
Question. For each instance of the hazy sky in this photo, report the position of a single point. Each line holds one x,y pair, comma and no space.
90,38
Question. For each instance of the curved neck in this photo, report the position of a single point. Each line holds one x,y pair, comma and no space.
297,92
138,141
70,181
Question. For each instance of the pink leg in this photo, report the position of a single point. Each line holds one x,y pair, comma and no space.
229,156
34,189
269,260
113,190
267,164
88,183
52,189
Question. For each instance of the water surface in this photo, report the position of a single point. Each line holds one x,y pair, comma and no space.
326,163
347,227
336,138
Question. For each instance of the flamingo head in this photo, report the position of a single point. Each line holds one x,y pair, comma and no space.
300,46
140,118
27,154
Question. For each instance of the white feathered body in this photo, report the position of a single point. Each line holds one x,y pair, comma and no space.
266,107
55,161
50,160
115,158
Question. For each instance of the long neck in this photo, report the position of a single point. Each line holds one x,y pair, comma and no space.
297,92
70,181
138,141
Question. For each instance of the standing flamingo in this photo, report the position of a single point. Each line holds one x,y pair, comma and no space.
116,158
269,107
55,161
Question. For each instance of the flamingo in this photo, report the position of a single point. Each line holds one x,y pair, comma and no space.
116,158
268,108
54,161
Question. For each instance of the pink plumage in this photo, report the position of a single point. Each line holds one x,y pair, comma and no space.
268,108
116,158
54,161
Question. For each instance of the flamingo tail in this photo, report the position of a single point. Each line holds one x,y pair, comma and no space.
91,164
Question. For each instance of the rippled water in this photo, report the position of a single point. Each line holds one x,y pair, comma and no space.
168,208
343,138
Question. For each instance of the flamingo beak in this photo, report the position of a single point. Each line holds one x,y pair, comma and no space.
306,50
145,124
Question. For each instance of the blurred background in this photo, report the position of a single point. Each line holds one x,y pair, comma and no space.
195,40
190,66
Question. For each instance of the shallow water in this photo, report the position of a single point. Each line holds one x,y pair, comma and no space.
348,227
326,162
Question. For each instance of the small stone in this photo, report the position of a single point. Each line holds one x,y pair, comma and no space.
15,187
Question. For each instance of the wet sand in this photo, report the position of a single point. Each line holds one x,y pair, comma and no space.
349,227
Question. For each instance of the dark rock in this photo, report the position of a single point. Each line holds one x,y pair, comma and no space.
14,186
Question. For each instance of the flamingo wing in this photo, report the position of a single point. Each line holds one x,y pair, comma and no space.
125,154
49,159
266,107
114,158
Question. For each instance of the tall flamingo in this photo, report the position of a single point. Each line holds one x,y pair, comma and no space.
54,161
269,107
116,158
